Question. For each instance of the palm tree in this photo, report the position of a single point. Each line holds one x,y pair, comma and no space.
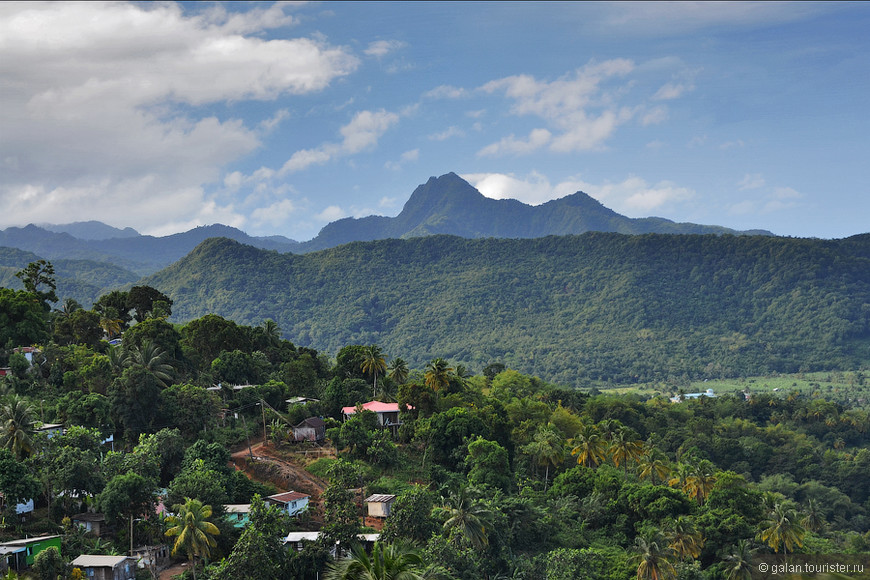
437,375
111,326
814,517
192,530
782,529
589,446
684,539
399,371
272,332
653,466
625,446
740,561
386,562
548,448
373,363
467,517
153,359
16,426
699,480
119,358
654,562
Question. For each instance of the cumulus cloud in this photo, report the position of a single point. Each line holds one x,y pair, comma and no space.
275,214
751,181
578,110
452,131
381,48
360,134
633,196
511,145
446,92
331,213
102,102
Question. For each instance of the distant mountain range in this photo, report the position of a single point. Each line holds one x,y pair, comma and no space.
443,205
450,205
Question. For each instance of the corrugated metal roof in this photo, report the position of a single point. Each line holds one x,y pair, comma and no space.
380,498
288,496
94,561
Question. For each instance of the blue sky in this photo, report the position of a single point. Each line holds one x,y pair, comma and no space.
279,118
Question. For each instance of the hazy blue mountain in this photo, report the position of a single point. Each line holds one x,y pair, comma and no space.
83,280
91,230
141,254
450,205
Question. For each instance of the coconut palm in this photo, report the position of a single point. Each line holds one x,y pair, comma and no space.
699,480
272,332
547,448
684,538
398,371
589,446
16,426
373,364
119,358
625,446
153,359
739,562
437,376
814,516
192,530
111,326
466,517
781,529
653,465
654,559
386,562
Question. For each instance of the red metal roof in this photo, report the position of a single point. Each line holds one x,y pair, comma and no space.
376,406
288,496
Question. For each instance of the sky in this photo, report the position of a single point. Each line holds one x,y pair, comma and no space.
278,118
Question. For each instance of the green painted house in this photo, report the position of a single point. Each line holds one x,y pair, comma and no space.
19,554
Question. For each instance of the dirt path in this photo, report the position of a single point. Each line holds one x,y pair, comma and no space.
173,570
280,468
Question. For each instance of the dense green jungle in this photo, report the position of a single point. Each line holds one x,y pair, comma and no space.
583,310
496,472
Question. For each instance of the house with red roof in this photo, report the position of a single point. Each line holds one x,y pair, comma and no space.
293,502
388,413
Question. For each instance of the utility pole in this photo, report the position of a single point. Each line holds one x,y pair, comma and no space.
263,409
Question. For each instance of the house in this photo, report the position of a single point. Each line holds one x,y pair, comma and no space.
687,396
238,514
5,371
21,509
50,429
152,556
388,413
294,502
19,554
106,567
311,429
92,523
296,540
301,401
379,505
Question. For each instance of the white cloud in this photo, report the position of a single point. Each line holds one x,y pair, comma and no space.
275,214
751,181
360,134
671,91
582,114
731,144
452,131
446,92
633,196
406,157
654,116
381,48
331,213
101,99
511,145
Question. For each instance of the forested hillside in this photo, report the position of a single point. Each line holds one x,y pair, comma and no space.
570,309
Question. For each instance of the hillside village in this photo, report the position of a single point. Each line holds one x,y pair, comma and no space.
133,447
